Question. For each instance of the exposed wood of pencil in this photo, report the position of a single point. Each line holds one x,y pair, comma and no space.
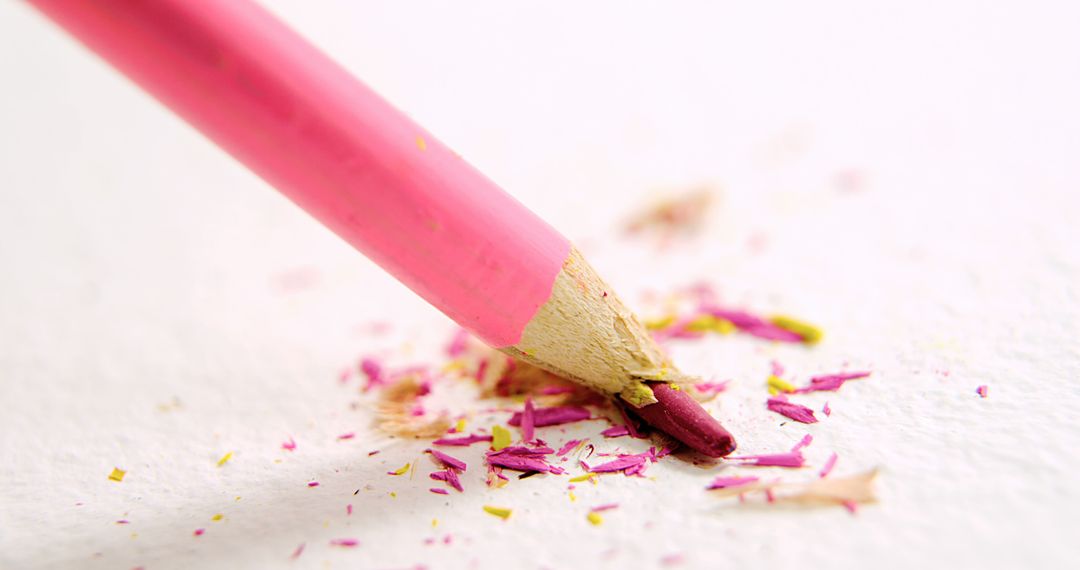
585,333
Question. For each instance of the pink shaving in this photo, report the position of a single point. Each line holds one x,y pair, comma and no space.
605,507
457,343
628,464
790,459
552,416
344,376
851,506
313,484
373,373
345,542
830,382
466,440
981,391
805,441
797,412
349,435
289,445
521,458
299,550
450,477
826,410
828,465
776,368
567,447
711,387
199,531
528,420
617,431
728,482
631,428
447,460
556,390
753,325
348,509
439,491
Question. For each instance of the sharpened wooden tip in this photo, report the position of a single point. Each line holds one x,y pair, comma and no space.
586,334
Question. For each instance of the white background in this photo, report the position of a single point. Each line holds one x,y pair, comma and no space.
160,306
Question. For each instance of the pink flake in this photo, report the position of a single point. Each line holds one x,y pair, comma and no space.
629,464
447,460
450,477
604,507
672,559
711,387
299,550
313,484
123,521
981,391
728,482
552,416
805,441
343,377
797,412
528,420
199,531
627,421
521,458
769,496
567,447
776,368
831,382
457,343
851,506
617,431
556,470
519,463
345,542
439,491
828,465
556,390
344,436
790,459
373,372
466,440
289,445
826,410
753,325
348,509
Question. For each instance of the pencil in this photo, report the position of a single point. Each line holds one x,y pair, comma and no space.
392,190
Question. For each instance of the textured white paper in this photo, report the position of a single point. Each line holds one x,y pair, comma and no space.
160,306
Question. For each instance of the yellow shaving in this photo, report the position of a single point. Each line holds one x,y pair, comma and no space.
454,365
393,495
586,476
660,323
460,426
217,517
676,387
573,497
777,384
595,519
421,143
810,333
638,394
500,438
401,470
434,523
710,323
117,474
224,459
500,512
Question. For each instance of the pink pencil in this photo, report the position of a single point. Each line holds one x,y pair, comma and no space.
385,185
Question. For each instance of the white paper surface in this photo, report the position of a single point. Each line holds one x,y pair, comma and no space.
160,306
